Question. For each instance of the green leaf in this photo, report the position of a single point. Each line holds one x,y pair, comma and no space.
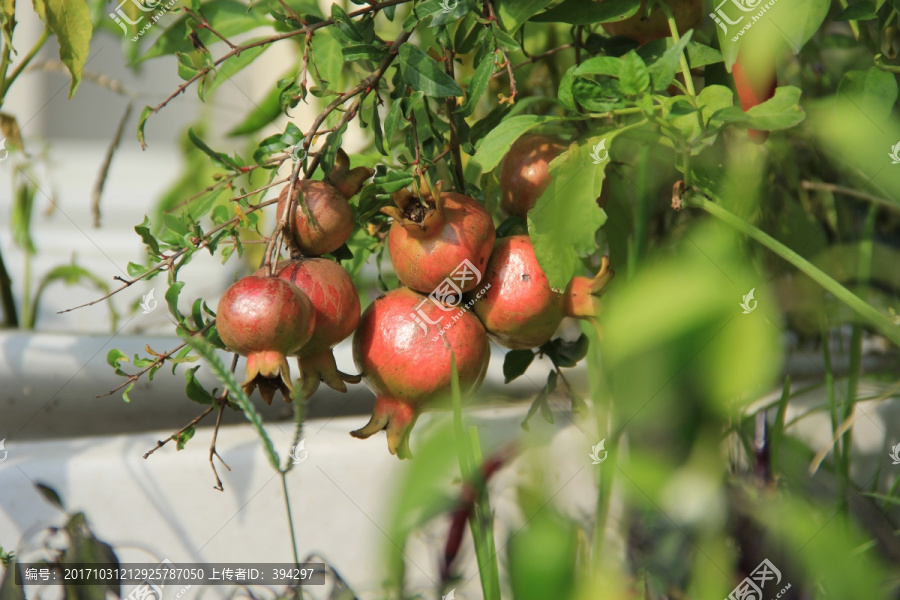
859,11
148,110
219,158
779,112
600,65
579,12
634,77
260,115
194,390
496,144
477,86
228,17
327,59
874,92
662,72
70,20
563,223
208,352
392,181
423,74
363,52
182,438
515,363
564,94
514,13
172,294
20,217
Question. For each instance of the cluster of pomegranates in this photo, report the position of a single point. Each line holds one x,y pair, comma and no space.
443,249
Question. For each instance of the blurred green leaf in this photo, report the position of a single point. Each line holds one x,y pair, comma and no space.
514,13
873,92
578,12
782,111
633,77
542,558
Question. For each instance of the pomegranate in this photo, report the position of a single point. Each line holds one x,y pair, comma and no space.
265,319
524,175
430,239
688,15
336,304
518,307
403,348
754,86
332,218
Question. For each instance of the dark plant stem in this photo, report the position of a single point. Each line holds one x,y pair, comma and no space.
10,314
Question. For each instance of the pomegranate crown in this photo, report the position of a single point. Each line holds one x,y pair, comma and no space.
414,214
346,180
582,297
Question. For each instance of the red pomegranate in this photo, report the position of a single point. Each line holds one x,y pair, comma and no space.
403,348
430,239
336,305
265,319
524,175
332,218
517,305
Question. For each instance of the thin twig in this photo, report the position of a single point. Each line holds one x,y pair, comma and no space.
831,187
161,443
222,401
204,24
169,260
492,16
104,167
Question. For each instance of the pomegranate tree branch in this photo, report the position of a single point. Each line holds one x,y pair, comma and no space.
169,260
235,51
454,126
359,91
161,443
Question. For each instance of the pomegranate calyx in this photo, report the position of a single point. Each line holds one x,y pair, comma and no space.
321,368
269,371
346,180
419,220
397,418
583,293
